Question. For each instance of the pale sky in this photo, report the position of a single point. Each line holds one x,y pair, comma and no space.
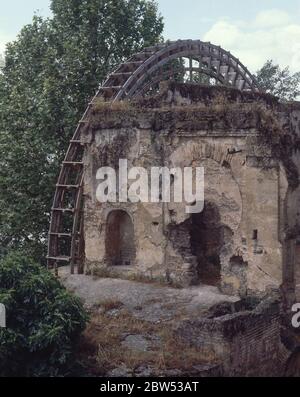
254,31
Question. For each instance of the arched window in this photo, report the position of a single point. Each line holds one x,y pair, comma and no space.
119,240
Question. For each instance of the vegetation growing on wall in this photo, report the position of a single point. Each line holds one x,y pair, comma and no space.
204,109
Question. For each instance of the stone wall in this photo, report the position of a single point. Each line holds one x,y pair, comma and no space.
246,340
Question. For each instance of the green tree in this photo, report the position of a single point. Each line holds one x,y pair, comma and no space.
43,321
279,82
51,71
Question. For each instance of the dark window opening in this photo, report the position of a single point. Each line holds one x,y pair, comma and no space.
206,238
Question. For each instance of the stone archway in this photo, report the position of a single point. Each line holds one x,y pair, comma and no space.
205,242
119,240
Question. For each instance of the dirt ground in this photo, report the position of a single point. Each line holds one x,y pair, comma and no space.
132,326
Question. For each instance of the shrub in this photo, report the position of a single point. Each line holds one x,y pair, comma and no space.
44,321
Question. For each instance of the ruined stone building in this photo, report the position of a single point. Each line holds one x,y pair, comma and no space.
191,104
246,238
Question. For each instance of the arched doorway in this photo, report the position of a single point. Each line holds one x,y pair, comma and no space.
119,241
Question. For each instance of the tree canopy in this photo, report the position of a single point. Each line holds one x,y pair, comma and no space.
50,73
279,82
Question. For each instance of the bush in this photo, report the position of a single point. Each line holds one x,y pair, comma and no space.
44,321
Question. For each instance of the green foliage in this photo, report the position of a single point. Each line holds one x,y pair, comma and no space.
279,82
43,320
51,71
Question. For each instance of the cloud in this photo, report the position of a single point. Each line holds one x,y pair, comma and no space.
271,35
272,18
